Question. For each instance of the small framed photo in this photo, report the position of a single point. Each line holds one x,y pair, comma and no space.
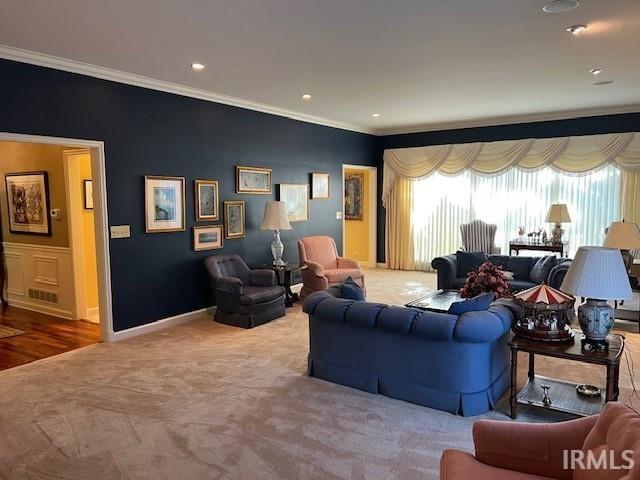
234,219
253,180
319,186
207,238
164,204
88,194
296,198
206,200
28,203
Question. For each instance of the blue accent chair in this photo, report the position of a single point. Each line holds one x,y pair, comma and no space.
458,364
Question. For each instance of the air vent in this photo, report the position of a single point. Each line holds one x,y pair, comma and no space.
43,296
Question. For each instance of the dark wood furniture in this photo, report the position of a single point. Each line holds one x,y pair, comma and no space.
285,276
517,245
563,394
438,301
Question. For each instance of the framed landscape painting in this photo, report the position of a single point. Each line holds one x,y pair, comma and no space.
207,238
296,198
319,185
28,203
206,200
353,183
164,204
253,180
234,219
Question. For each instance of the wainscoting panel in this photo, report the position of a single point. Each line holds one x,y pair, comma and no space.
40,278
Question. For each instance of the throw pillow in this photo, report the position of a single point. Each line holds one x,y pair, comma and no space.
467,261
476,304
520,266
351,290
542,268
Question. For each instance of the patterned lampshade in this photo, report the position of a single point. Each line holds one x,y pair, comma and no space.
598,273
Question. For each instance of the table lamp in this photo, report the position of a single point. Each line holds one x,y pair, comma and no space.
275,218
598,274
624,236
558,213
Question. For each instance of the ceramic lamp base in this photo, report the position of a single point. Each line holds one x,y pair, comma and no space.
556,234
596,319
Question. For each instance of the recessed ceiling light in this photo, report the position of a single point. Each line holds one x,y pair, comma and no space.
560,6
604,82
595,71
375,115
576,29
306,97
197,67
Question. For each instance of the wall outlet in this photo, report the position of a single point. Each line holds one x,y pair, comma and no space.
338,215
120,231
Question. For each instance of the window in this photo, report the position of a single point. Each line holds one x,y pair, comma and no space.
512,199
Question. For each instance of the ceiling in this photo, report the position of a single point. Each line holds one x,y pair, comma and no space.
420,64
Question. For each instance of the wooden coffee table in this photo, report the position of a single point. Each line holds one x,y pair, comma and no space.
438,301
564,397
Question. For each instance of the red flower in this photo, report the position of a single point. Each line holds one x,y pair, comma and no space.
486,278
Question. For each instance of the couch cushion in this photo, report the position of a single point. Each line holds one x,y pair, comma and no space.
253,295
519,285
467,261
351,290
541,269
457,465
520,266
476,304
617,430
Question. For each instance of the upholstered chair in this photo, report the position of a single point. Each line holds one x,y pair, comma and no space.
324,267
244,297
478,236
528,451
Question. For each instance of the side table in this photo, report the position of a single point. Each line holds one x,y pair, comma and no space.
284,274
564,397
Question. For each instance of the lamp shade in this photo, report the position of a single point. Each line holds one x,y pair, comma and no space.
599,273
275,216
558,213
623,235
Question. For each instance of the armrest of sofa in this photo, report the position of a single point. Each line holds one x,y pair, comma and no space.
263,277
533,448
315,268
447,268
484,326
557,274
347,263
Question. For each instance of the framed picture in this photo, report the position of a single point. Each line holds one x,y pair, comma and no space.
234,219
88,194
206,200
253,180
164,204
28,203
353,183
319,185
207,238
296,198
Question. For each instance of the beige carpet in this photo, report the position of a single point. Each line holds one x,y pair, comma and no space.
203,401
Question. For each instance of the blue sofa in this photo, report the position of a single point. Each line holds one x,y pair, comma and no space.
458,364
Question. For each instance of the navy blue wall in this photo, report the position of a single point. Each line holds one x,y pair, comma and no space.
153,133
559,128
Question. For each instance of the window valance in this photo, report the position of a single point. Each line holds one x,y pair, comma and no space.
573,155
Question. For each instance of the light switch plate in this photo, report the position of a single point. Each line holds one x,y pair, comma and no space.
338,215
120,231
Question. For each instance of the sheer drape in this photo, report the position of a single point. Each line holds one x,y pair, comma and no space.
509,200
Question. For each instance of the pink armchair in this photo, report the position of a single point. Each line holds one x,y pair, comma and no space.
530,451
324,267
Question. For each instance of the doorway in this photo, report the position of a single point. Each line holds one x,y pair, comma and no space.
359,213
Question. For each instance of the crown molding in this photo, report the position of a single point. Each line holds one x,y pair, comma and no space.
59,63
509,120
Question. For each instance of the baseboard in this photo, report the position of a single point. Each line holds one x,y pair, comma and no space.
93,314
381,265
159,324
54,312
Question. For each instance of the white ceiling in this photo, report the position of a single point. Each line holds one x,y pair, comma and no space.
421,64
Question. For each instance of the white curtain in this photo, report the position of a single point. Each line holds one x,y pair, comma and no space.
510,199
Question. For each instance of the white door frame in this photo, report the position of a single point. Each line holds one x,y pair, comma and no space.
103,259
372,207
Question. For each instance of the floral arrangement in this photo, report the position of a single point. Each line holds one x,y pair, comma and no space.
486,278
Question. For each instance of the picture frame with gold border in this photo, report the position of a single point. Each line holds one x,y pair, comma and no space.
234,219
208,237
164,204
253,180
207,200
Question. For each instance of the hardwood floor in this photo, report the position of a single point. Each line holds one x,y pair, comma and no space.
45,336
